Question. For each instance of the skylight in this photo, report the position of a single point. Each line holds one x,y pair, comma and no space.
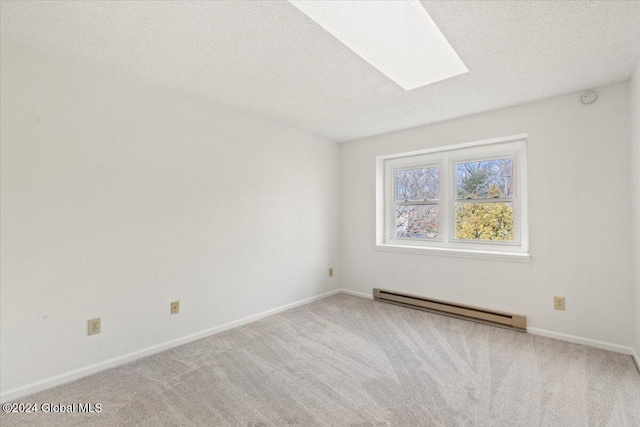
399,38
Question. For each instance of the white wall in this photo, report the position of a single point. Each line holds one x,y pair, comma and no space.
118,198
635,159
579,174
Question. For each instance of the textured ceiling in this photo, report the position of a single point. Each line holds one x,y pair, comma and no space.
269,59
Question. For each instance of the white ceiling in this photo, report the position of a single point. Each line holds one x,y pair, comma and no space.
269,59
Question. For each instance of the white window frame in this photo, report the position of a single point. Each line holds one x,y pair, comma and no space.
445,158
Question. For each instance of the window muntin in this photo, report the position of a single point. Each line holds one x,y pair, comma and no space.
469,198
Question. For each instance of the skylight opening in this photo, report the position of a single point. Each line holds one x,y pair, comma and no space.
399,38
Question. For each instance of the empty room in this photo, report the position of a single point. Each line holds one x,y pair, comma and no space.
320,213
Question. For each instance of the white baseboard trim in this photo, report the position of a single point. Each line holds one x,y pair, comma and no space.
584,341
636,359
75,374
356,293
550,334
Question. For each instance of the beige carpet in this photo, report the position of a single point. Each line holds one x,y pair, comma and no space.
351,361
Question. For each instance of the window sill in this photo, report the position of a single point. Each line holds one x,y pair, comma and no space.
459,253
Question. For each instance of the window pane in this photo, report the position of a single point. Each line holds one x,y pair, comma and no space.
485,179
484,221
417,184
419,222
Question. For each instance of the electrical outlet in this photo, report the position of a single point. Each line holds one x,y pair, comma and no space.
175,307
331,272
558,303
94,326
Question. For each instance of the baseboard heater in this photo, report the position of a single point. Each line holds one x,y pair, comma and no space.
497,318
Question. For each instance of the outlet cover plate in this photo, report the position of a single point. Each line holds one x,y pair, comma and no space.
93,326
175,307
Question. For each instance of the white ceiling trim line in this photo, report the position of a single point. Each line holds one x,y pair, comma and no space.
399,38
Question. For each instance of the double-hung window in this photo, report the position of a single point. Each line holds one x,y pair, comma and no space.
468,199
